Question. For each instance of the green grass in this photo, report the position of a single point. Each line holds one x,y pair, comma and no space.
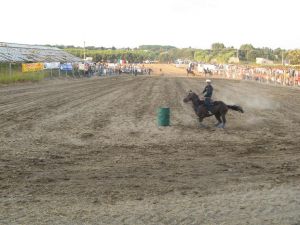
16,74
21,77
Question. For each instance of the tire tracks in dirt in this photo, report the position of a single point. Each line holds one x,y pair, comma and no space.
106,162
66,99
52,94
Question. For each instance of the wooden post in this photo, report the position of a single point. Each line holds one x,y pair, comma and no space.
73,72
10,73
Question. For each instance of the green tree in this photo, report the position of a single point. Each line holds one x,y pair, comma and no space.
200,55
244,51
217,46
294,56
164,57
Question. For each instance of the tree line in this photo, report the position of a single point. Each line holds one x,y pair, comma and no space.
218,53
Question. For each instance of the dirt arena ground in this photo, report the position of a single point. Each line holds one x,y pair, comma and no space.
89,151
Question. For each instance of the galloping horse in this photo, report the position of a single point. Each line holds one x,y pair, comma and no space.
190,71
218,109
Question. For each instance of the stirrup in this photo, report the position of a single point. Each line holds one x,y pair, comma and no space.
209,112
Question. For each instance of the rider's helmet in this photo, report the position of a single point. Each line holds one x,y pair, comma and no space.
208,81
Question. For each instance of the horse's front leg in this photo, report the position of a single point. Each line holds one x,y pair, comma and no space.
201,123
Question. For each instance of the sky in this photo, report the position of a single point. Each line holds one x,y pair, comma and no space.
131,23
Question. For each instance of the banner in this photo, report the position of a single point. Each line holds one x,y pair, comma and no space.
32,67
81,66
52,65
122,61
89,59
66,67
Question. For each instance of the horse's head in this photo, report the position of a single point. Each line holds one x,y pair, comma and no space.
189,96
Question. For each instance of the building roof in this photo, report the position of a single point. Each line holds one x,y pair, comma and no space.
10,52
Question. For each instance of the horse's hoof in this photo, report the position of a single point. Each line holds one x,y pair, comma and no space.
221,125
202,125
217,124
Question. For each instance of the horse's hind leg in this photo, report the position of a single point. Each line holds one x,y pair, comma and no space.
222,125
218,117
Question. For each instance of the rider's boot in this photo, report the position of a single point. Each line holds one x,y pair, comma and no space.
208,106
208,109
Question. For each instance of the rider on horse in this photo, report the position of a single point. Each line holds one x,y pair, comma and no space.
209,91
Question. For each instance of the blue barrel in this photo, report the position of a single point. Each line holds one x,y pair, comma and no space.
163,116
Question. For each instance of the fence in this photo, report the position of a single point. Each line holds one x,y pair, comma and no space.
274,76
11,72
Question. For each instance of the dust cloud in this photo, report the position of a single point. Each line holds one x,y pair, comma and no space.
250,101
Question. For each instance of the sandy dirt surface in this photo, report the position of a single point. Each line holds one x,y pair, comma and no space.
89,152
168,69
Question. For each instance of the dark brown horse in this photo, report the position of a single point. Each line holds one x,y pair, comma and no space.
218,109
190,71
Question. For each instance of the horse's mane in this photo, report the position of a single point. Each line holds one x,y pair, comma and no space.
197,99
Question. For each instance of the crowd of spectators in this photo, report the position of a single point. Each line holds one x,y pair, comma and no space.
272,75
108,69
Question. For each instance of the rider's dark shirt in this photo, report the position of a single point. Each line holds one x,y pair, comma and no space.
209,91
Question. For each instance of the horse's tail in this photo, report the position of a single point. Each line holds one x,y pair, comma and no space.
236,108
